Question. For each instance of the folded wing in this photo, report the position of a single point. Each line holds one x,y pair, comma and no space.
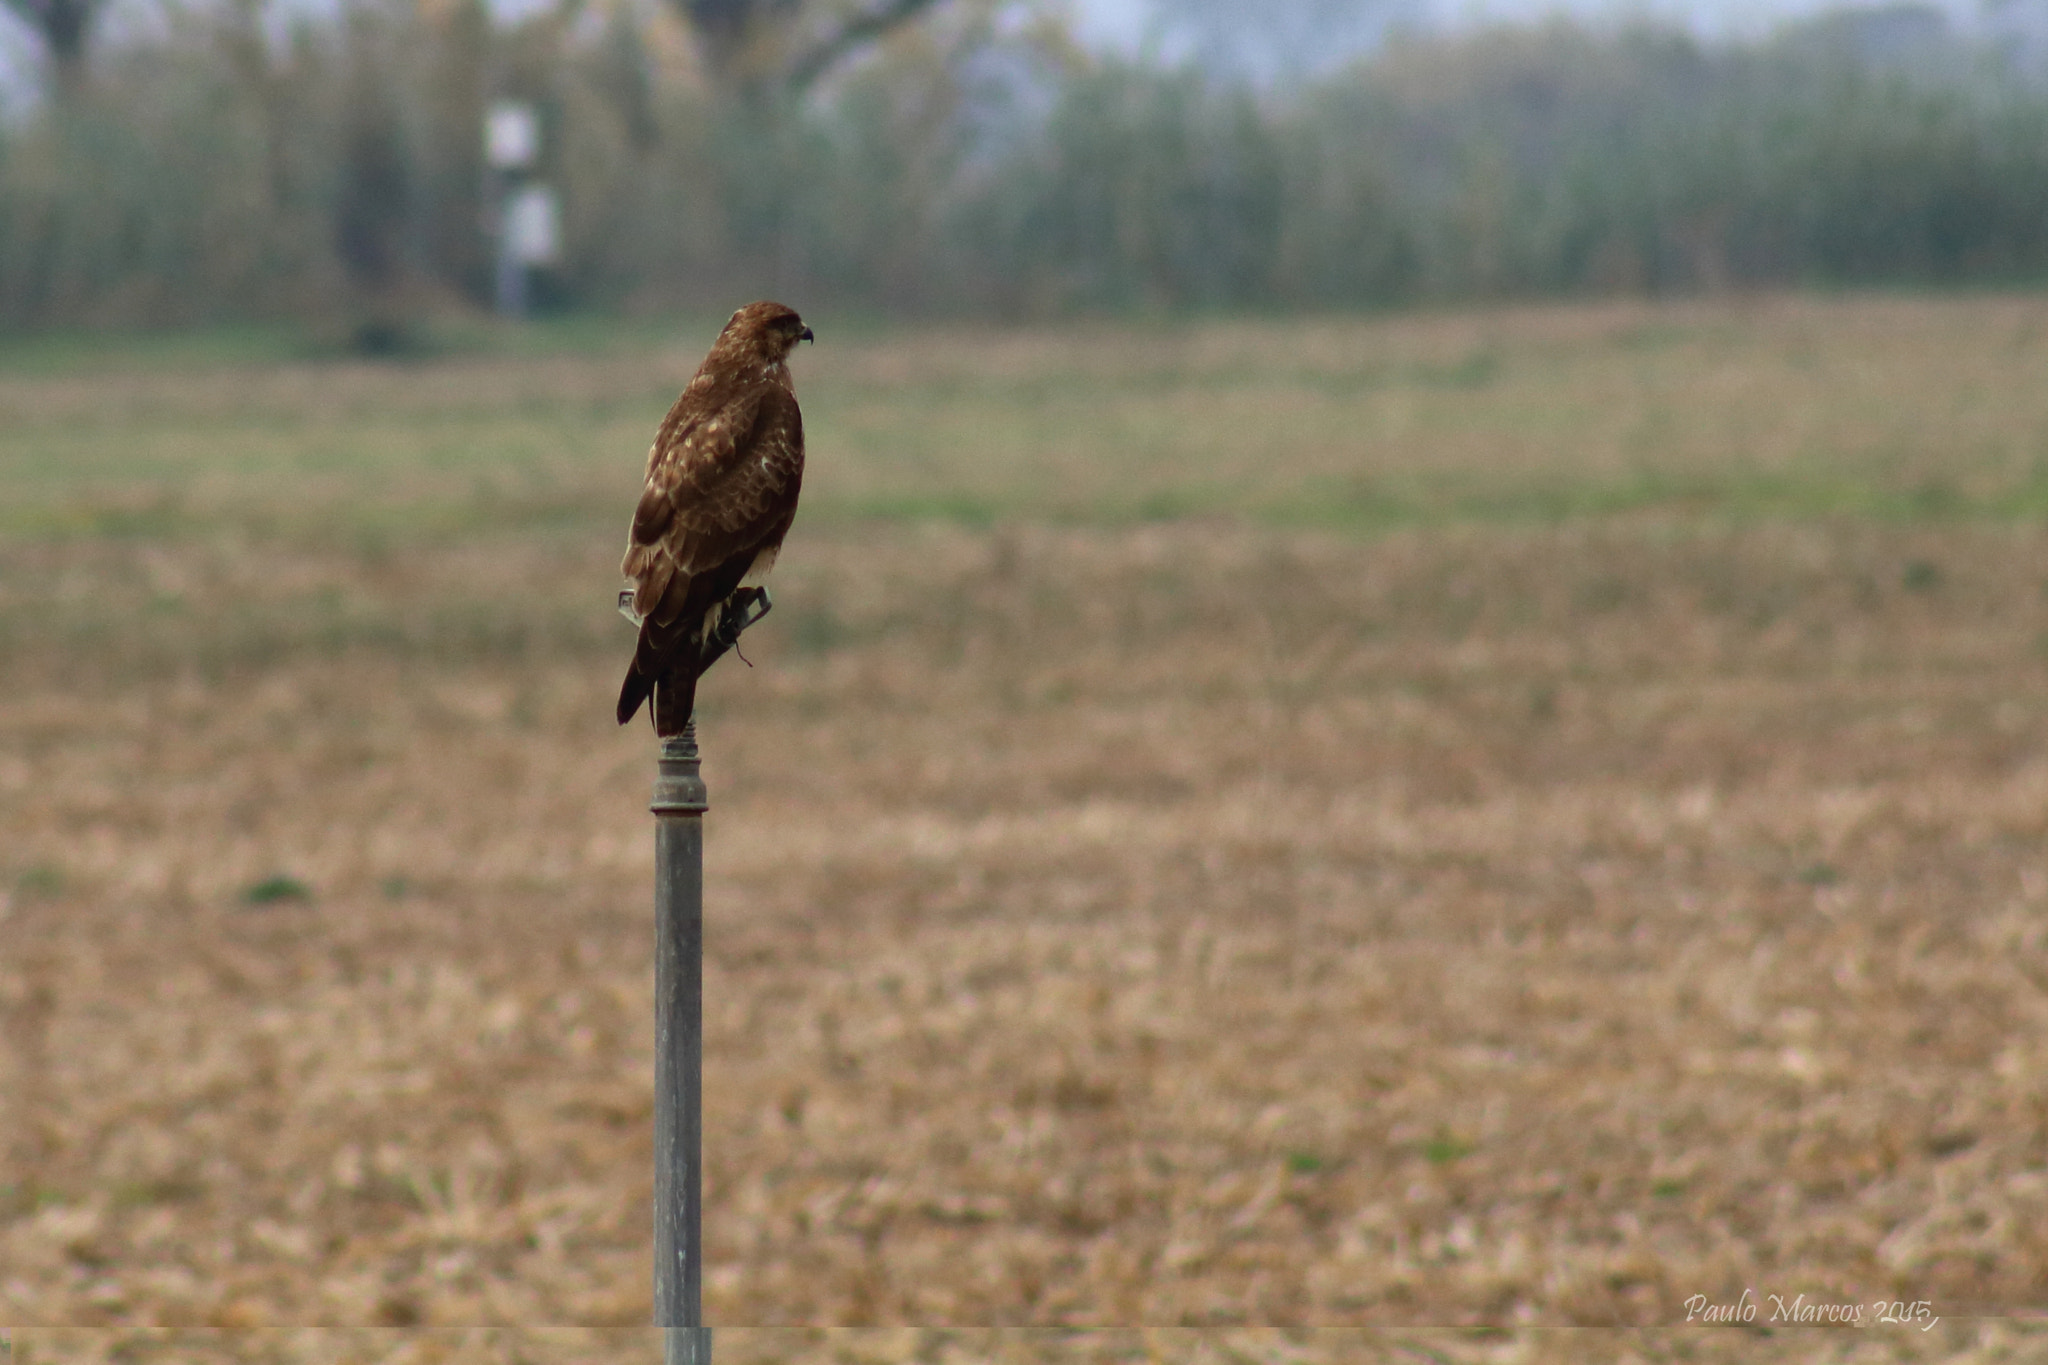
722,485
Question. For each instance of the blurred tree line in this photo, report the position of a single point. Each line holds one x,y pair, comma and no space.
241,160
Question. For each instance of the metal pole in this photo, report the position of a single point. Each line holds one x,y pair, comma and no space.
511,271
679,803
687,1346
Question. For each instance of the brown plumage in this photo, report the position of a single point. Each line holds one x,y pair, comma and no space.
722,482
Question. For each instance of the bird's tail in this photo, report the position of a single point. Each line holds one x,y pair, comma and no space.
674,700
638,687
665,666
670,658
674,693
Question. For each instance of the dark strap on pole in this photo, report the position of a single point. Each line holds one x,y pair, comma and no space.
678,806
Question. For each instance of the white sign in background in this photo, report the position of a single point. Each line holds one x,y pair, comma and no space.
511,135
533,225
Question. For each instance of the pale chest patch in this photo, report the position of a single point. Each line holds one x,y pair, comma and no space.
758,573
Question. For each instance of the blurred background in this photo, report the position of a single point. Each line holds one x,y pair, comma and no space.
1408,712
173,163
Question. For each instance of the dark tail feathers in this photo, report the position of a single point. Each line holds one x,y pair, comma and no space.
662,650
674,701
659,668
638,687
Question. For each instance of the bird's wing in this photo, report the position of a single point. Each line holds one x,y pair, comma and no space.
724,484
697,444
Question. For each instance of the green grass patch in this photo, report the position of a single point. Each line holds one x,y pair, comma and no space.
114,352
1351,426
957,508
1920,575
43,881
277,890
198,350
1446,1148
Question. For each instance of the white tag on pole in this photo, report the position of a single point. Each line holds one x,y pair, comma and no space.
511,135
533,225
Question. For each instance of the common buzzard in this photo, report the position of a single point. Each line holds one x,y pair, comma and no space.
722,481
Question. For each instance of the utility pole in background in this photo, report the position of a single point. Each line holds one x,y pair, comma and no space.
529,213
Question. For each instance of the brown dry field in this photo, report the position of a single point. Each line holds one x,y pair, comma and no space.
1437,838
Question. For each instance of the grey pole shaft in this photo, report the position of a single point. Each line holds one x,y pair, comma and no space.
679,804
510,275
687,1346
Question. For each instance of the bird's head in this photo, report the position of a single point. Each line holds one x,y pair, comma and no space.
769,330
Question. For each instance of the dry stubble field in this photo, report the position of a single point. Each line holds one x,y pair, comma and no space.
1444,837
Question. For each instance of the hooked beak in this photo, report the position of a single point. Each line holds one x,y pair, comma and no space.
805,335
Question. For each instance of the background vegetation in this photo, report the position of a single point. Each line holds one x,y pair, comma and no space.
231,163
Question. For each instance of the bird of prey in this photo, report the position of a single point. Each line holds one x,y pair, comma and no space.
722,481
